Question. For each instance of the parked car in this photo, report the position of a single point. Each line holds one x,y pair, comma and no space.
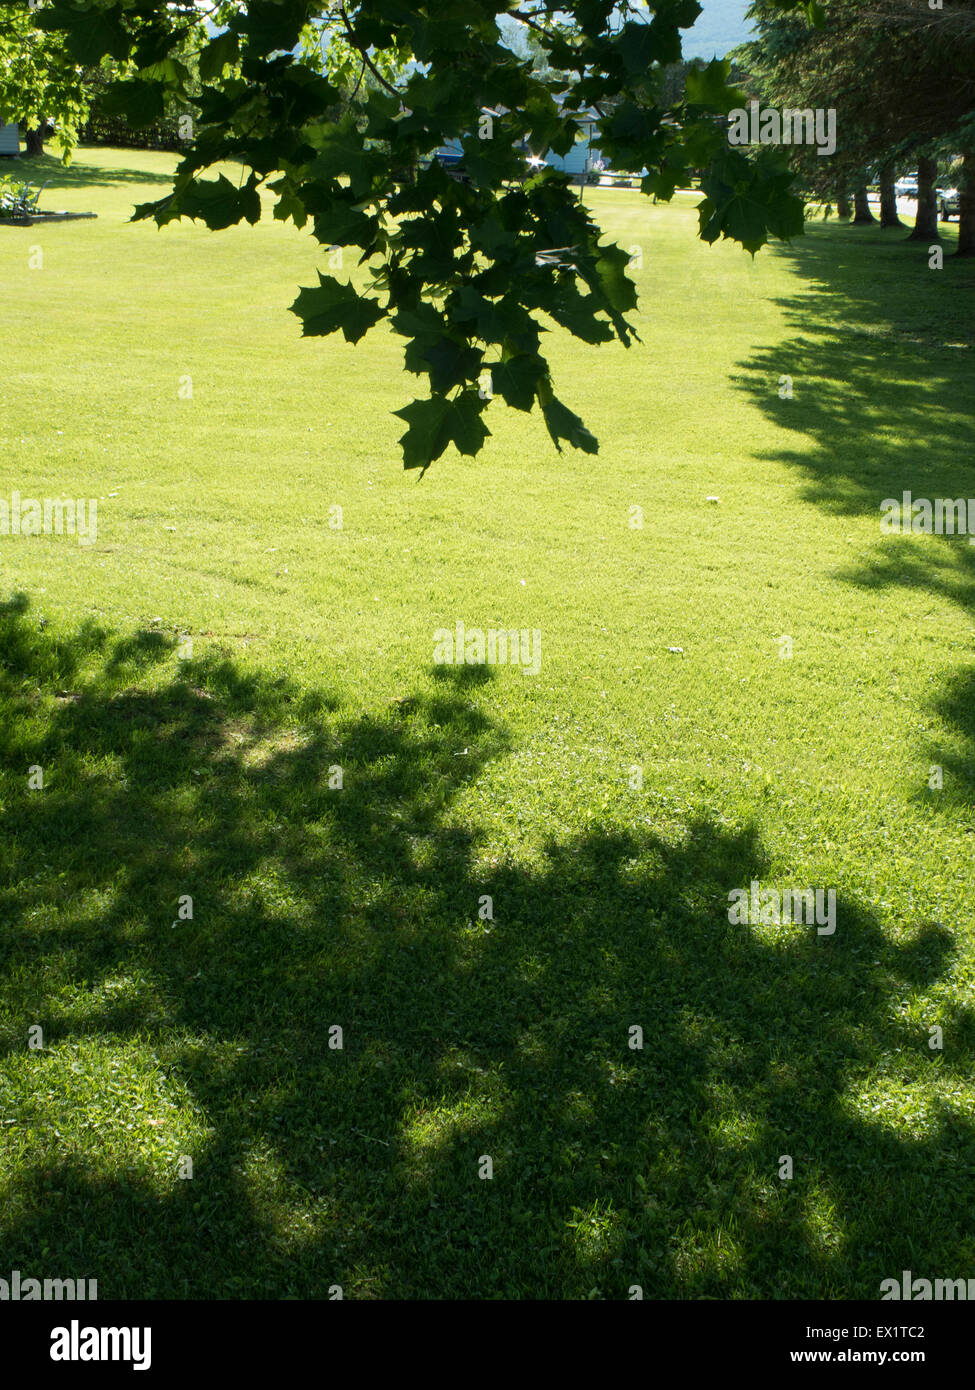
949,203
906,187
453,164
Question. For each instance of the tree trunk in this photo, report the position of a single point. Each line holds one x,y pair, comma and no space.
966,212
888,199
861,208
34,140
843,208
926,222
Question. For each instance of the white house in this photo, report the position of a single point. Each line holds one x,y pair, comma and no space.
581,157
9,139
579,160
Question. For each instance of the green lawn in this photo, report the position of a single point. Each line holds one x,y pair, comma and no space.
313,906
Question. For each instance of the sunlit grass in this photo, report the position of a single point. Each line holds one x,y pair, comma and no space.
170,772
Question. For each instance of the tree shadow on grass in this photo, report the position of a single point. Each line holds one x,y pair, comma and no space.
882,364
471,1029
47,168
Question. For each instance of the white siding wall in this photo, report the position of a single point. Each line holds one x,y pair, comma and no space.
575,161
572,163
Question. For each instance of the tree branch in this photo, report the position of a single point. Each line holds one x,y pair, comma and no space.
525,19
365,56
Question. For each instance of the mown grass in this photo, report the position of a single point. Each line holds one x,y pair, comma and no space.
207,773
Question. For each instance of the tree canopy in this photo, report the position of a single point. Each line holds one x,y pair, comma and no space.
900,75
336,110
40,79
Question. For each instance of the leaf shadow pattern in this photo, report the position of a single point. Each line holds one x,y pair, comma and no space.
467,1033
883,403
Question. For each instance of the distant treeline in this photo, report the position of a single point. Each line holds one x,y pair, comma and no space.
114,130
